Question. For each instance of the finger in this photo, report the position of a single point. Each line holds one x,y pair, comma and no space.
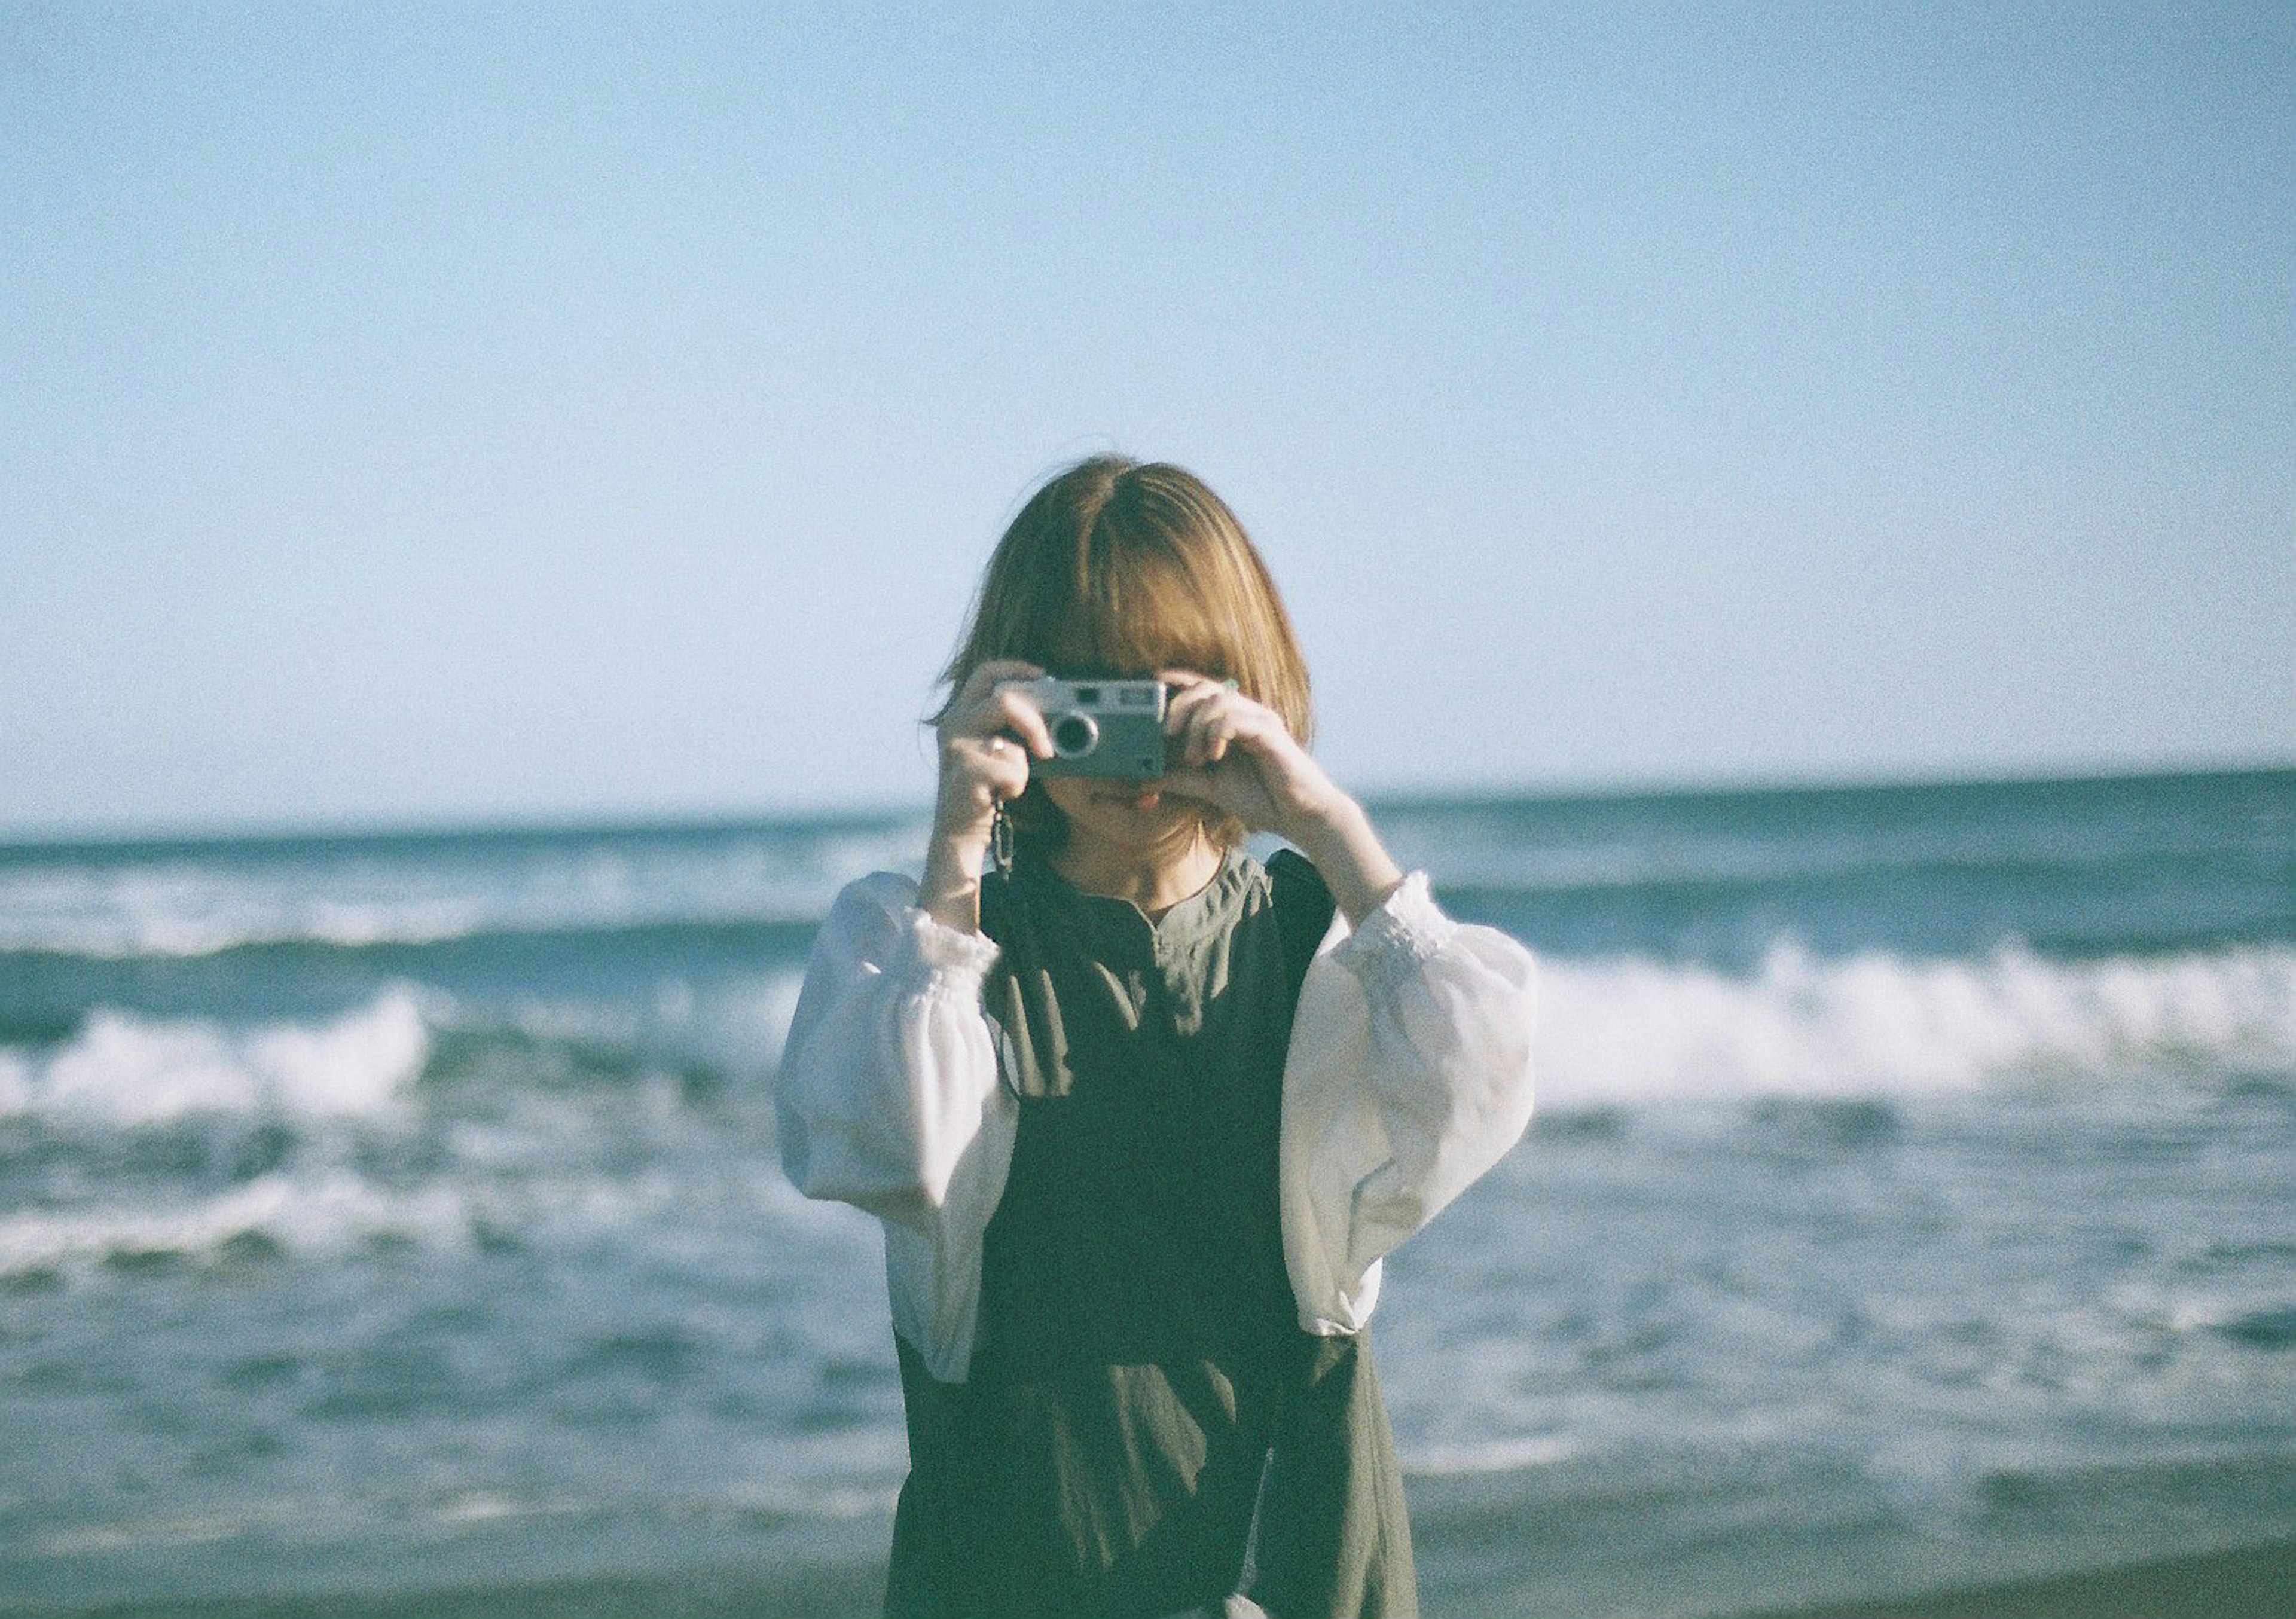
1253,724
1204,718
1218,730
965,716
1226,727
1216,718
1180,709
1010,708
1188,680
999,764
1008,769
1185,678
990,672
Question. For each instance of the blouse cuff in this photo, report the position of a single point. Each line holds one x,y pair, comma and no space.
949,958
1408,929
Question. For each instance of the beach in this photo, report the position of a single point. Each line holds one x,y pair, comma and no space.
393,1223
2246,1582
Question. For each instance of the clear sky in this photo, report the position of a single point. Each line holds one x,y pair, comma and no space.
535,410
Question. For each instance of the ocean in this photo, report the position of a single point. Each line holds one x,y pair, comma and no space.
1913,1194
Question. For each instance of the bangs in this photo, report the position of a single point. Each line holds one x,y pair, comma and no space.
1130,614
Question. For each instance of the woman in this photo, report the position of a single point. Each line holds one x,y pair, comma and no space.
1139,1116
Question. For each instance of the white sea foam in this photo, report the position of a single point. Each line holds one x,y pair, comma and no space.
125,1069
1502,1453
16,1084
181,907
737,1026
320,1214
1623,1030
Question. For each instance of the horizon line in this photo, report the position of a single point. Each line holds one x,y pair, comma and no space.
483,825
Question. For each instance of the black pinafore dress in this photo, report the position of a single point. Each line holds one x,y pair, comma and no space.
1145,1429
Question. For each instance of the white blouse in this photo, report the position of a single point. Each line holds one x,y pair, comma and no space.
1408,1076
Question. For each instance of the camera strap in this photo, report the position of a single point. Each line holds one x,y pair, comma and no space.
1000,842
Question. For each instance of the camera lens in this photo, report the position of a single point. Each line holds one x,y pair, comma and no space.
1074,735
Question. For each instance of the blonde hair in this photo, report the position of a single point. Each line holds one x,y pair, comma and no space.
1119,568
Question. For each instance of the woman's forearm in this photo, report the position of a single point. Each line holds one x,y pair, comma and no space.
950,890
1356,866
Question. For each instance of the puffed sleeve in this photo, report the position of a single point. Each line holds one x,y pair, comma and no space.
888,1100
1409,1075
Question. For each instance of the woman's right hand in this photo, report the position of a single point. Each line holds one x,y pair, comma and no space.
981,766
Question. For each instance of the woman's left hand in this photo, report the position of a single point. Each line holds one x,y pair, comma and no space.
1239,755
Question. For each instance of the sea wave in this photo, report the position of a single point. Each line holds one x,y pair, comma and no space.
339,934
1612,1032
202,900
274,1215
120,1070
1628,1030
123,1069
1496,1453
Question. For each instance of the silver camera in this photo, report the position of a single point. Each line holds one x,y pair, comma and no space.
1101,727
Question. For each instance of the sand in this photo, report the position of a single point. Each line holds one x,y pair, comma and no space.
2257,1583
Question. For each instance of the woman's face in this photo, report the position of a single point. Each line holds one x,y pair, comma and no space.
1132,816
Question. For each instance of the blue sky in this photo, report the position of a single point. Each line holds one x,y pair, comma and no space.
415,414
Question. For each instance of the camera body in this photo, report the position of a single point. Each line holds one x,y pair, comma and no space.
1112,728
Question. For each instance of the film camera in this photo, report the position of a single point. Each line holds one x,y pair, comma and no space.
1101,727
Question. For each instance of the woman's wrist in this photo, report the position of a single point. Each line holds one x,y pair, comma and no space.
1337,834
950,889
